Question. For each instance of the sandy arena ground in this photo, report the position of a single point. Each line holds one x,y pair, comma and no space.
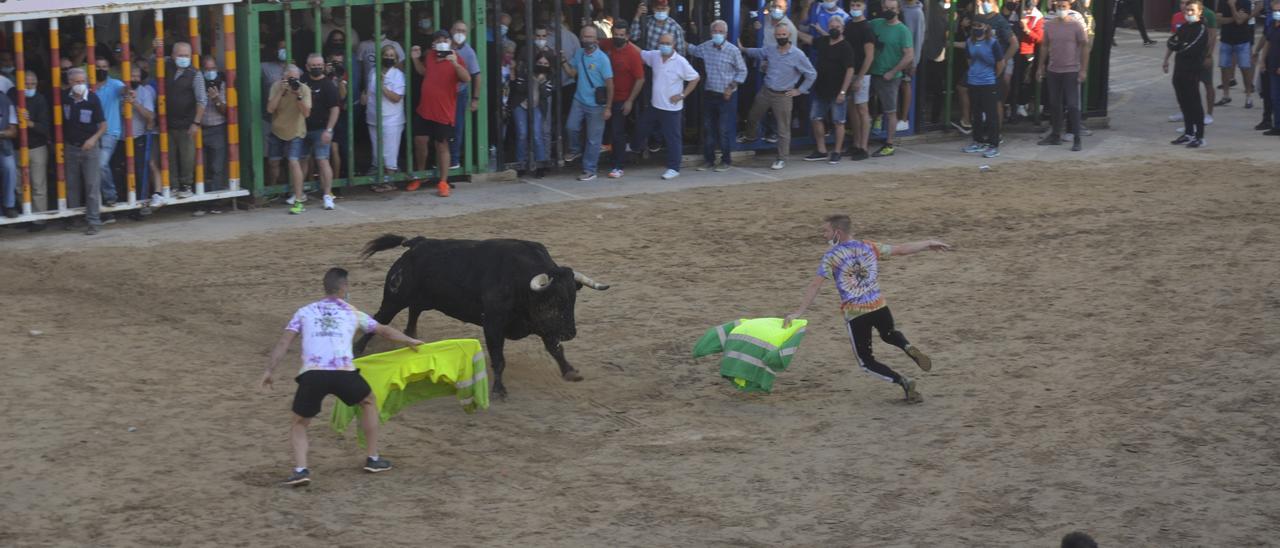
1104,339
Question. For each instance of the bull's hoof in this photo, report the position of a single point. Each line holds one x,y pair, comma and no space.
572,375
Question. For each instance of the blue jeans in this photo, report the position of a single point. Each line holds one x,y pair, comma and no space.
540,145
719,123
593,118
460,125
9,179
108,184
668,124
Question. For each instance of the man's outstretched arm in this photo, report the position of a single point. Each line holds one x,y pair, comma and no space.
810,293
916,247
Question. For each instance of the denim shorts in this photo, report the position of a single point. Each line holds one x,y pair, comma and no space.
886,91
819,108
1234,55
315,145
278,148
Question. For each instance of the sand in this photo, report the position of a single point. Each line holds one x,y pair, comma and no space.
1104,340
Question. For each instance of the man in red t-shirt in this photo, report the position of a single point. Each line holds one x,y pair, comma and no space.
628,79
438,102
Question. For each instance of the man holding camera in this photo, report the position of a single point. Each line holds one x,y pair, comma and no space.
289,105
442,73
215,128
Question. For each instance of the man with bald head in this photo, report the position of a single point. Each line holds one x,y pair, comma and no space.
186,99
726,70
673,80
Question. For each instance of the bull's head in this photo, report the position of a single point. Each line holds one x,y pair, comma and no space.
552,301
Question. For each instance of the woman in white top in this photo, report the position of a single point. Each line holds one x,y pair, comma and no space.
393,118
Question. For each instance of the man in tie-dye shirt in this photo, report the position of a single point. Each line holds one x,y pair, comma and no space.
855,267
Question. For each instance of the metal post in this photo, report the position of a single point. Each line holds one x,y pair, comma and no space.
557,133
406,102
126,110
193,29
288,33
90,38
24,154
949,90
377,85
254,125
495,91
233,115
162,110
478,138
58,146
350,60
529,137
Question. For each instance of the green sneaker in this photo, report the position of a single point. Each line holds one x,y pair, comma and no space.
920,358
886,150
297,209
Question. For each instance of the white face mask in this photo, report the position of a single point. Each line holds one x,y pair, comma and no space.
79,90
282,54
540,42
459,38
442,46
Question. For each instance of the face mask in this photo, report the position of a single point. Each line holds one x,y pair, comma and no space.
985,9
459,38
182,62
1275,15
717,39
783,42
828,5
660,15
1193,18
442,46
541,43
589,46
210,75
946,5
833,241
834,34
101,74
29,92
424,24
619,42
977,34
313,71
890,15
79,90
135,85
282,54
778,14
502,29
665,50
855,13
542,69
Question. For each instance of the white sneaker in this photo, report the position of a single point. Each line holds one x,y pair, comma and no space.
1022,111
289,200
156,201
670,174
1208,120
328,201
1175,117
903,125
778,164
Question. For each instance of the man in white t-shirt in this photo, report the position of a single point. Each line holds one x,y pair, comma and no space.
673,80
327,327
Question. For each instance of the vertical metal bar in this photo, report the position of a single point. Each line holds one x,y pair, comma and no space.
55,51
126,110
478,136
734,19
350,160
529,137
233,115
556,115
24,154
1035,107
193,30
494,94
317,23
406,102
949,90
253,87
288,32
90,38
377,85
162,109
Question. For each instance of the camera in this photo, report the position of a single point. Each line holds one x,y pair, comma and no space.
338,69
294,84
442,54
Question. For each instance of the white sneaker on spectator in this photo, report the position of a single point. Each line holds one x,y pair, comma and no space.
778,164
587,176
156,201
903,125
1208,120
670,174
1177,117
289,200
185,193
1022,111
328,201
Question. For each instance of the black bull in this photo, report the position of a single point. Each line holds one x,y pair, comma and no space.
511,288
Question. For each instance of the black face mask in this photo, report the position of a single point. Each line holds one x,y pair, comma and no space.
388,61
541,69
889,15
784,41
619,42
977,34
589,46
135,85
316,72
102,75
834,34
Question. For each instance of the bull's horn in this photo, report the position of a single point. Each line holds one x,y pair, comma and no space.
584,280
540,282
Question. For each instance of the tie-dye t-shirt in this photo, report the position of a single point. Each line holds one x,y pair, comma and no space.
855,267
327,327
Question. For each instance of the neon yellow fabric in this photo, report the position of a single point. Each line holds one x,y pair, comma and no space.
401,377
754,350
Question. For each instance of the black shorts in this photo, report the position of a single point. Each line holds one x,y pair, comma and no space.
314,385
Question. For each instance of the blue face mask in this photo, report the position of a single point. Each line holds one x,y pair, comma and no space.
778,14
665,50
717,39
660,15
29,92
1275,15
855,13
828,5
182,62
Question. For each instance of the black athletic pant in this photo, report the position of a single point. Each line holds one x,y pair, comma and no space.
1135,9
1187,88
984,104
1265,92
1064,93
860,334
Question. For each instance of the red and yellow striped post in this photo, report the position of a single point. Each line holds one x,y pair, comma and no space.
55,53
90,38
24,156
193,30
161,109
126,111
233,118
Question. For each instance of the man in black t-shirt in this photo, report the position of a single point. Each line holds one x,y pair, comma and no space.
325,109
82,129
835,66
857,32
1235,38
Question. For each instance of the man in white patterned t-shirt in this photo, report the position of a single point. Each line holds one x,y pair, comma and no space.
327,327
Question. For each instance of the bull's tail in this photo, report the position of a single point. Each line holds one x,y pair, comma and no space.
385,242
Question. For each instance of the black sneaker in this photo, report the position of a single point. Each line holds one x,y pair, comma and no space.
298,478
1271,132
93,229
1263,125
1182,140
859,155
1076,145
1195,143
1050,140
376,465
815,156
833,158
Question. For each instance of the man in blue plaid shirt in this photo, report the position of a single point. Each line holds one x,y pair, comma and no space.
726,70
